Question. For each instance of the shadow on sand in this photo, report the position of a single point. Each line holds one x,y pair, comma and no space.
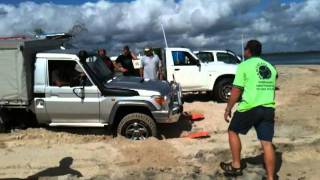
258,160
63,169
197,97
175,130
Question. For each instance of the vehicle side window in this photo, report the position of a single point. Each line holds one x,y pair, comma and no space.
227,58
182,58
205,56
66,73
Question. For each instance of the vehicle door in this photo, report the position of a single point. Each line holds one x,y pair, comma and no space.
188,71
70,97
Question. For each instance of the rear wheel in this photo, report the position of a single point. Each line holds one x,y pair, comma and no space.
137,126
222,90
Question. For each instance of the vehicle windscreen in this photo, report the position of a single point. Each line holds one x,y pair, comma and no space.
99,69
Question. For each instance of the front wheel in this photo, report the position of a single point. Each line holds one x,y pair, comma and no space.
137,126
222,90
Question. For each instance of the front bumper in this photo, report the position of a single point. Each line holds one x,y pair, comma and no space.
176,107
171,116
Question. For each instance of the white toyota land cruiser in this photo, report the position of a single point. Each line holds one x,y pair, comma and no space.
200,74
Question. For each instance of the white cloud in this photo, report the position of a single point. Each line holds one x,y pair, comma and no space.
191,23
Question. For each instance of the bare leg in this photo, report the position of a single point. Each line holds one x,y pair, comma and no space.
235,147
269,158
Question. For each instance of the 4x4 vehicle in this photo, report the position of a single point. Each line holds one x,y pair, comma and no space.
197,74
75,88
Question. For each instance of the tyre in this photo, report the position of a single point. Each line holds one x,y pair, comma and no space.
137,126
222,90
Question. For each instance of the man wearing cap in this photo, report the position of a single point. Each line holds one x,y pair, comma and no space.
150,65
255,83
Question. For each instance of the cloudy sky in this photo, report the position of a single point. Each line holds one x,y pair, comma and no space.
282,25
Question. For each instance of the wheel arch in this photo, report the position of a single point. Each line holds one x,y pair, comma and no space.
123,108
224,76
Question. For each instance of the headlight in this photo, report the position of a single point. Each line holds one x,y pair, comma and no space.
160,100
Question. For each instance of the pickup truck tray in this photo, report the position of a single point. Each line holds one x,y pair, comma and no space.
17,59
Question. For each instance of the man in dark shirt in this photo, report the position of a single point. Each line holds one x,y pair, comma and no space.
103,55
124,62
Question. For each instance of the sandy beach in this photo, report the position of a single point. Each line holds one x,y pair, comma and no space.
94,154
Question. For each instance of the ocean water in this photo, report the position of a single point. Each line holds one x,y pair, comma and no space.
293,58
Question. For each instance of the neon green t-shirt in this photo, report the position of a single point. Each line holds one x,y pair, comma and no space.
257,79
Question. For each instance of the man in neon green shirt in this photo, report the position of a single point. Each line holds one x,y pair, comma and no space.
255,82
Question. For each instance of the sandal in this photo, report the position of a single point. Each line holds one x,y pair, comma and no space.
229,170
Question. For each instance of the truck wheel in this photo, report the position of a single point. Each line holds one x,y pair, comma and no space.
222,90
137,126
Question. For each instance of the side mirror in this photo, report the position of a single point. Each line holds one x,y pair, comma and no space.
79,92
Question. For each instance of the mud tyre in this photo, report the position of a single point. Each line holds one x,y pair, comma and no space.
137,126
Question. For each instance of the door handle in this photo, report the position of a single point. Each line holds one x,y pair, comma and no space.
54,95
177,69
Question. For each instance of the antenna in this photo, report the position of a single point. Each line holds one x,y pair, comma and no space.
242,46
164,36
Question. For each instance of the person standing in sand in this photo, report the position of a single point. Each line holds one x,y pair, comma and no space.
151,65
255,83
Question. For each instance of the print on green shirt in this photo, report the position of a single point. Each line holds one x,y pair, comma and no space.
257,79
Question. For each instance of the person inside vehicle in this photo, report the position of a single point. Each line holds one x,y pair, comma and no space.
60,76
103,55
151,65
67,74
124,62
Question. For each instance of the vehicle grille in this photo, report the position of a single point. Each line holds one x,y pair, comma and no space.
175,94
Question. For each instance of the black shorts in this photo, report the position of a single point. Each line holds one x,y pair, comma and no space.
261,118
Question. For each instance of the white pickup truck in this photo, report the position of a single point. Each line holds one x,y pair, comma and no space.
197,74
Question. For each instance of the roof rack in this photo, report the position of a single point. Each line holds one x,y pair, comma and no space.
15,38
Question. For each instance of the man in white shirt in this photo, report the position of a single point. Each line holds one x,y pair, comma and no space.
150,65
